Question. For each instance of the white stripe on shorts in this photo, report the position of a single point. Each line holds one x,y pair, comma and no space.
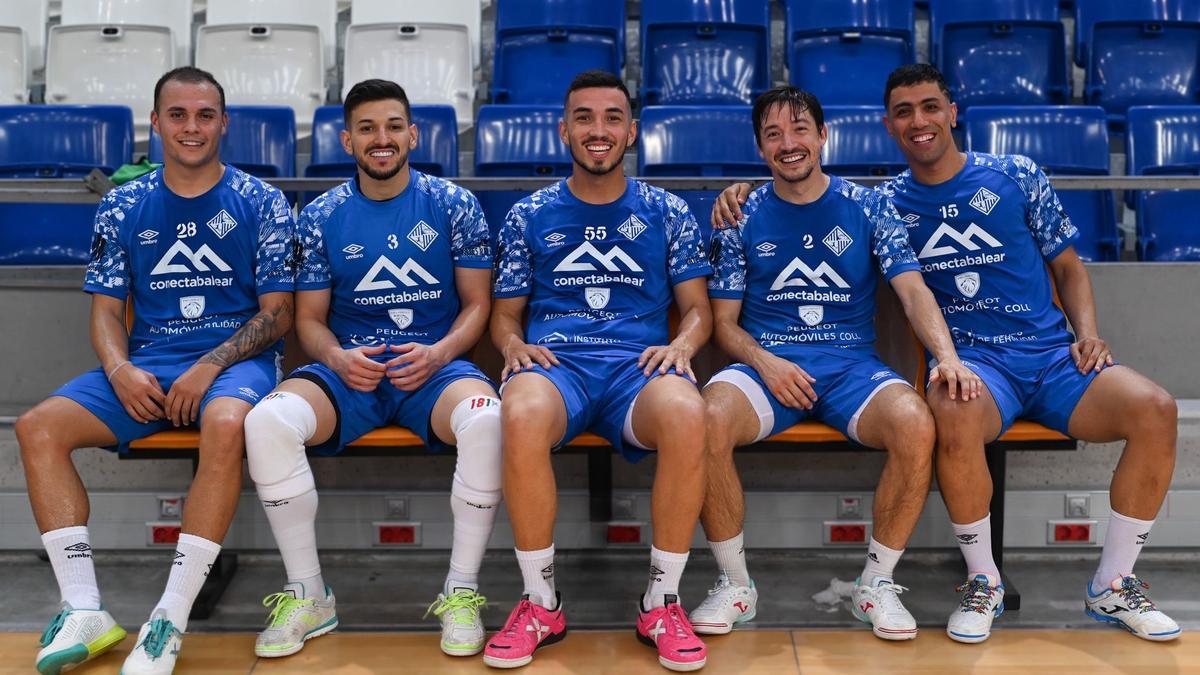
755,393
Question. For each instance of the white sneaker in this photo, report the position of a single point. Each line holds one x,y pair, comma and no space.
982,601
75,636
1124,604
726,606
157,648
880,606
462,629
294,619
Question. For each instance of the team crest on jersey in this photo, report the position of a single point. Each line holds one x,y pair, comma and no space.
985,200
631,228
422,235
401,316
222,224
968,283
191,306
837,240
812,315
597,298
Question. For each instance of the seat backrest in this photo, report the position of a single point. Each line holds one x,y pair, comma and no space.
437,142
260,140
31,17
857,143
266,65
999,12
14,73
1090,12
520,140
63,140
603,17
174,14
867,15
698,141
460,12
319,13
1066,139
1163,139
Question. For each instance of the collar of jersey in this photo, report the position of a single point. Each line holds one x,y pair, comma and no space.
412,179
567,195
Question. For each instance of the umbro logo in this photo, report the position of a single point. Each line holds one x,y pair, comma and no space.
555,238
269,503
222,224
179,555
249,392
574,262
353,251
422,235
911,220
765,249
1141,538
548,571
78,547
822,276
404,274
967,239
148,236
967,539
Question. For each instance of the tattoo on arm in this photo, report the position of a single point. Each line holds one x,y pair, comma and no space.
254,336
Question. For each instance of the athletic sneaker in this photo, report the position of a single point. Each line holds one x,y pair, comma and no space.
982,601
1124,604
157,648
668,630
725,607
462,630
529,628
880,606
294,619
75,636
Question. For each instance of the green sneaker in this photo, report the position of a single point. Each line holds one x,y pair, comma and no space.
462,629
75,636
293,620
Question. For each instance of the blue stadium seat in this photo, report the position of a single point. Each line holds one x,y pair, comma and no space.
1165,140
843,51
517,140
541,45
1061,139
1138,52
57,141
437,143
858,144
260,140
705,51
1000,51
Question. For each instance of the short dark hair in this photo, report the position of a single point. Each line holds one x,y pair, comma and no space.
188,75
795,98
590,79
912,74
374,90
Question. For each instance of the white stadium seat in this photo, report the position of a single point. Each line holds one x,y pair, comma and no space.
271,64
174,14
14,75
431,61
30,16
461,12
319,13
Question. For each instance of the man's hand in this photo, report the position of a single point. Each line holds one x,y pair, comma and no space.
1091,353
727,208
415,364
357,369
959,379
787,382
522,355
666,357
183,401
138,391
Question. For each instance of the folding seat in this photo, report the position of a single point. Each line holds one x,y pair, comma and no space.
858,144
458,12
14,74
54,141
431,61
697,52
260,140
1165,140
843,51
319,13
1068,140
517,140
266,64
174,14
541,46
996,52
31,17
437,143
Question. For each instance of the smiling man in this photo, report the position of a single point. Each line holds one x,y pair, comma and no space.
205,254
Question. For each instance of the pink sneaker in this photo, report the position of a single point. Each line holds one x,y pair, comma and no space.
529,628
667,629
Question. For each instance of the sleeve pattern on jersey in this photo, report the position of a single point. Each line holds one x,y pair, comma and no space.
470,240
729,264
889,236
514,259
687,257
313,271
277,244
108,268
1044,214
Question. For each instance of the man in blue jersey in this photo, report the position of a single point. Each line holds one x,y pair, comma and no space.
392,290
793,298
205,254
597,259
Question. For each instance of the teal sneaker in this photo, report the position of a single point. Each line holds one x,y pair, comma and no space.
294,619
157,648
75,636
462,629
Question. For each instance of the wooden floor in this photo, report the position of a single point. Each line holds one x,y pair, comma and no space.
812,652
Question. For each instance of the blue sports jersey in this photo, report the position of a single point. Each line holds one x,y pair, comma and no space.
194,266
391,263
983,239
804,272
598,274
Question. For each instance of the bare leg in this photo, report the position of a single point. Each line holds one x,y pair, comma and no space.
963,427
730,421
533,418
213,496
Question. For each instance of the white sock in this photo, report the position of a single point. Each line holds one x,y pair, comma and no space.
194,557
975,542
472,529
537,570
1122,544
881,563
70,553
731,559
293,522
666,569
475,492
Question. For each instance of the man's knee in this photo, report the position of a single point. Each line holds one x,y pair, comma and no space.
37,436
477,426
718,429
1154,414
911,431
680,412
276,431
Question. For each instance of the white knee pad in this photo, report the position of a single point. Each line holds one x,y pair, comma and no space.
475,422
276,431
